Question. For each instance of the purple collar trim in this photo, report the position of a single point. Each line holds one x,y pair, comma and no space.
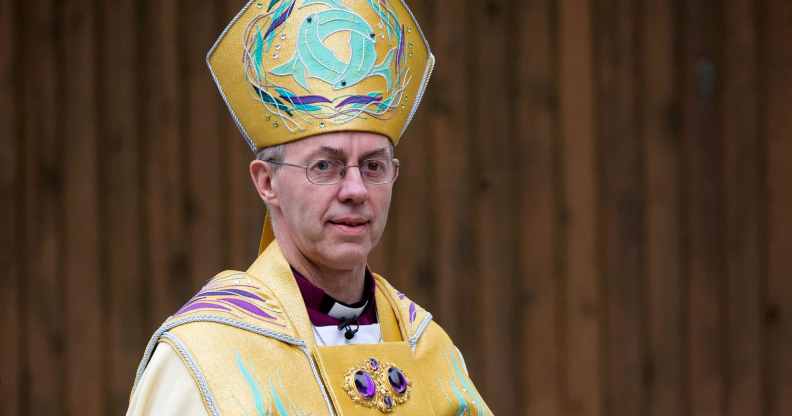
319,304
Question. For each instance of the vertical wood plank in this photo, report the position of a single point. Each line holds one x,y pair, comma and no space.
494,192
205,161
44,184
245,209
535,126
743,182
410,261
84,383
622,203
448,106
664,288
703,196
121,208
583,309
168,270
10,193
777,62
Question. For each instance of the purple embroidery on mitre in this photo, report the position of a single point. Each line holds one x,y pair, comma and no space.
359,99
400,51
280,20
412,312
305,99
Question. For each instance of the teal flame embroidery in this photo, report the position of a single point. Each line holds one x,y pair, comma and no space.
462,380
264,405
254,388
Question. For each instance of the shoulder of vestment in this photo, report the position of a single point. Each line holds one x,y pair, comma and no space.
230,299
237,299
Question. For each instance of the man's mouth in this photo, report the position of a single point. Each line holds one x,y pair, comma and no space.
349,225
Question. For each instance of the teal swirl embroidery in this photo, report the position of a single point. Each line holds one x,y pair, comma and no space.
265,35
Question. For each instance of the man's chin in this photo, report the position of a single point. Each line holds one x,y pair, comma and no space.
346,255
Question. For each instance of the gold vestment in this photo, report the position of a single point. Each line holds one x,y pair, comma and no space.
250,348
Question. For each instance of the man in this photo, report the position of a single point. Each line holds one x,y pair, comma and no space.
322,90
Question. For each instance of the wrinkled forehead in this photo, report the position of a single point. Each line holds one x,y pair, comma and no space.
341,145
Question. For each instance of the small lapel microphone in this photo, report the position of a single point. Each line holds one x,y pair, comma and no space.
350,328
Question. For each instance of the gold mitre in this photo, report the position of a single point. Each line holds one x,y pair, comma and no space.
289,69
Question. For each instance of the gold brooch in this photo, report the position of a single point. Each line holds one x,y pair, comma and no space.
379,385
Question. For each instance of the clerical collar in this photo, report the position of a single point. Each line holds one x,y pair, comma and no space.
324,310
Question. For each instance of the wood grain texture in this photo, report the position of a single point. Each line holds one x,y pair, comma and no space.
744,209
449,173
583,308
666,390
496,242
80,275
777,124
165,178
205,153
11,190
622,203
43,312
539,184
121,209
703,172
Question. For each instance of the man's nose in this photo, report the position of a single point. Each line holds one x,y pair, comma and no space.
353,188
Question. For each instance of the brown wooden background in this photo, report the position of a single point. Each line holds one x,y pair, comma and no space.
596,199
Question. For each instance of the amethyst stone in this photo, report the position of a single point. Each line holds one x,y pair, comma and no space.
397,380
373,364
365,385
388,402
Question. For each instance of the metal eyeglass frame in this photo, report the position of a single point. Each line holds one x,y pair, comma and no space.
343,170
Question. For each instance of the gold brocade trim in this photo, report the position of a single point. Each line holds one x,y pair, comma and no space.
384,397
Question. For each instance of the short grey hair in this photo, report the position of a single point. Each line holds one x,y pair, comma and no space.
272,154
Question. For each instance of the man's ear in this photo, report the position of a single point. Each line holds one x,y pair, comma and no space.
262,175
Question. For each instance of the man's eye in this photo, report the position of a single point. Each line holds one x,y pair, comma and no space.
322,165
374,165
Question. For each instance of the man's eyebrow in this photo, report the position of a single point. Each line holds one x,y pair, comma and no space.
377,152
340,154
330,151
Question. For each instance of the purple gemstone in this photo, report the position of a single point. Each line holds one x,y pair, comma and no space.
365,385
373,364
388,402
397,380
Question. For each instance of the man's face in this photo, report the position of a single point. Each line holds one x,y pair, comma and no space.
335,226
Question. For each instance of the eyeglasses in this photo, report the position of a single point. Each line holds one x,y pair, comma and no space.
329,172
